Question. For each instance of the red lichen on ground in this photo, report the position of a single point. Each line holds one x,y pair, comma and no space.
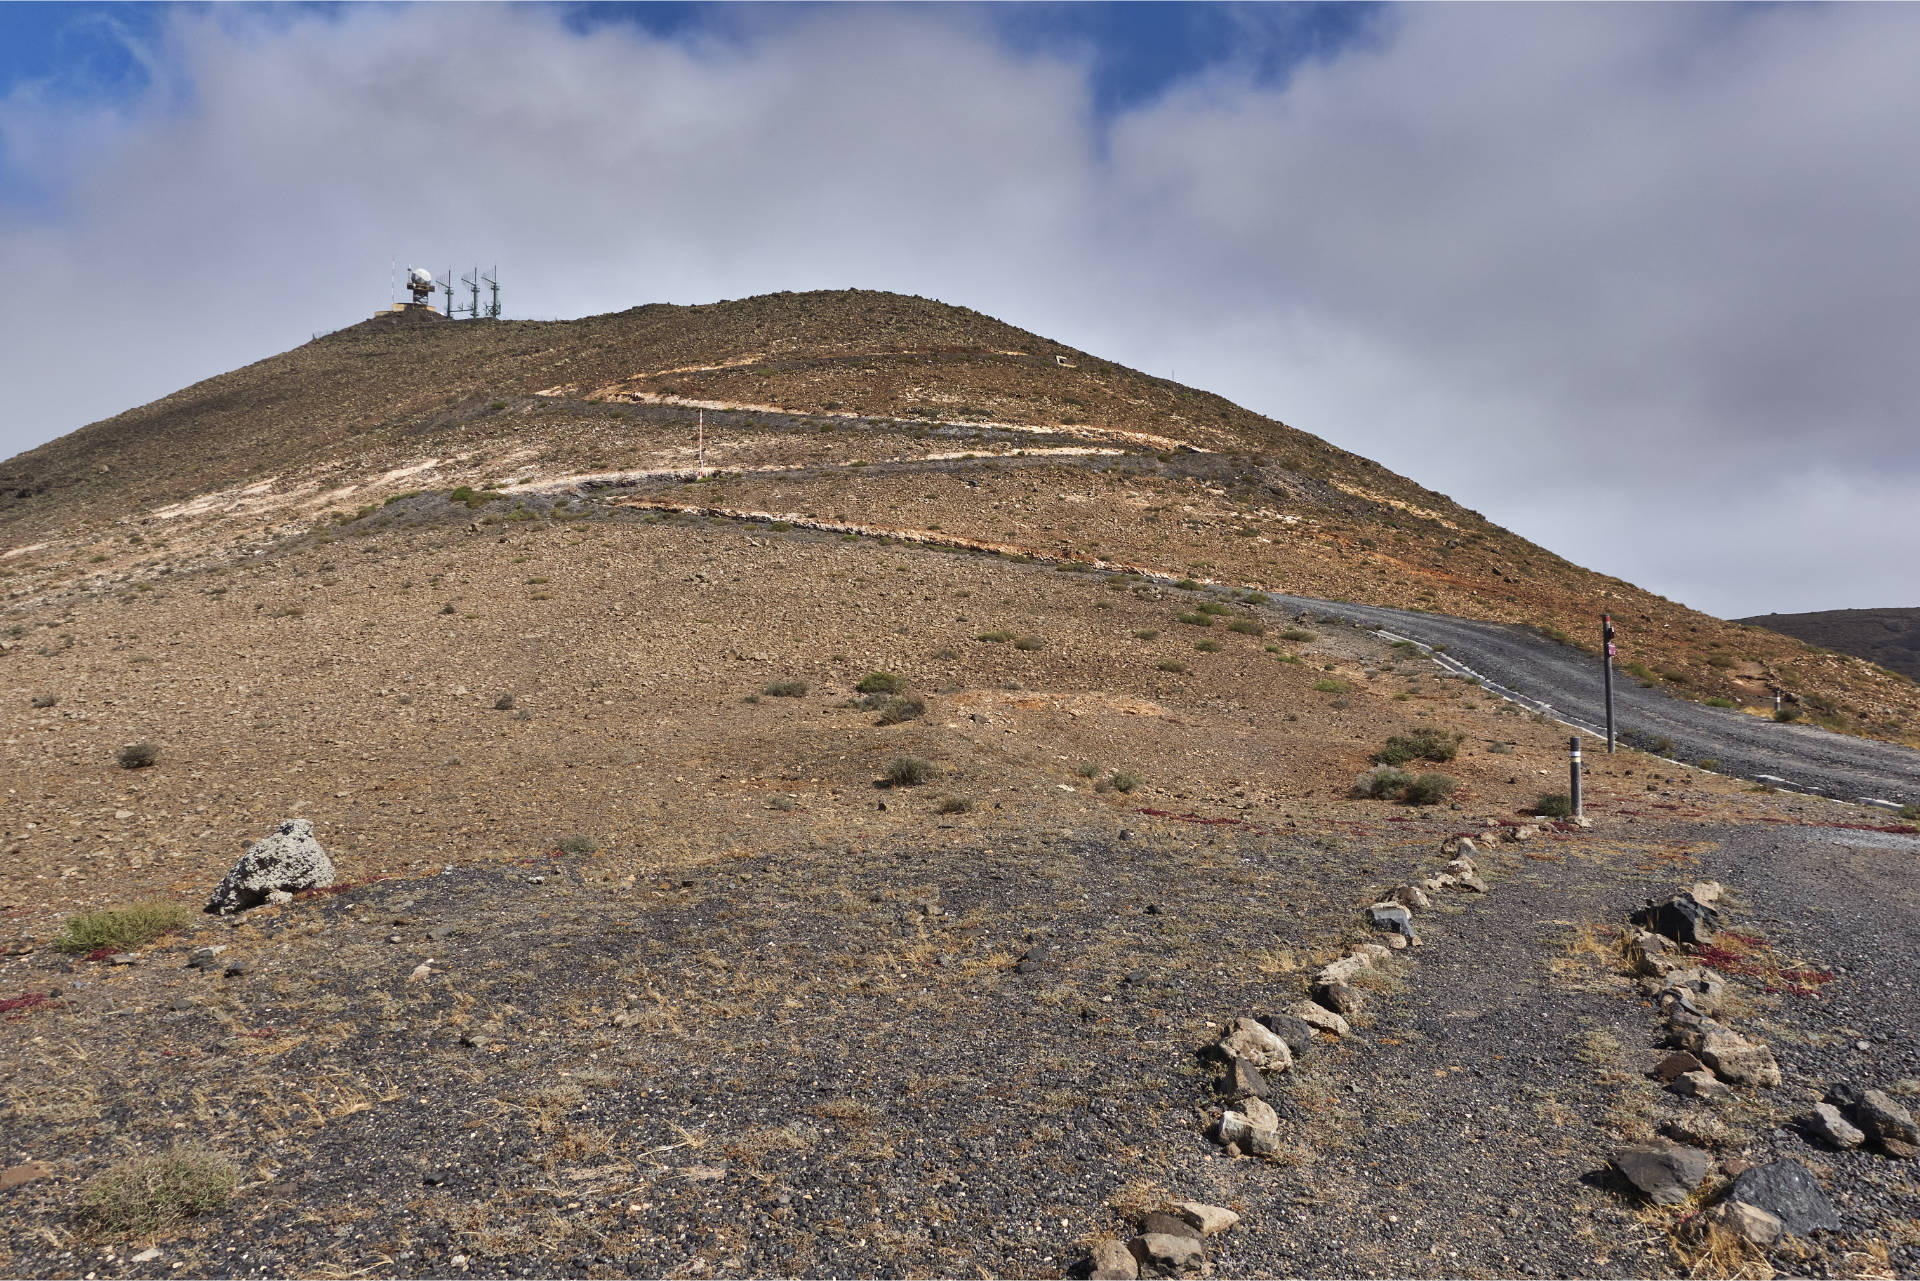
1753,957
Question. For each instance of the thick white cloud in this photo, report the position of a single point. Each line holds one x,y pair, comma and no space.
1636,281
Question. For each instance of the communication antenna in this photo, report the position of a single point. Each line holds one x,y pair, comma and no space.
419,284
493,283
446,286
472,283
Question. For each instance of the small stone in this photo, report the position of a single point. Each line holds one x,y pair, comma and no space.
1665,1173
1699,1085
1677,1064
1112,1261
123,958
1706,893
1260,1114
1345,968
204,958
1827,1124
1790,1194
1396,942
1474,883
1338,997
1410,896
279,898
1881,1119
1321,1018
1243,1081
1248,1040
1900,1150
26,1172
473,1039
147,1255
1212,1220
1162,1254
236,968
1739,1060
1171,1224
1394,918
1748,1222
1681,918
1462,867
1297,1033
1701,988
1236,1128
1651,953
1582,822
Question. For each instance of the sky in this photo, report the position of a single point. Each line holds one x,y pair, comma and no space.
1639,282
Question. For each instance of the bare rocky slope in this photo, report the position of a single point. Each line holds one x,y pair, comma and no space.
866,407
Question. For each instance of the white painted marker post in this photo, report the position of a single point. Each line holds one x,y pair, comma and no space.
1573,771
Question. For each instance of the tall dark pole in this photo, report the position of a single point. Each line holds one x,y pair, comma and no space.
1606,642
1573,775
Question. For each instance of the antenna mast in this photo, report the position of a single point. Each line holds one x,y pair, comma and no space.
493,283
472,283
446,286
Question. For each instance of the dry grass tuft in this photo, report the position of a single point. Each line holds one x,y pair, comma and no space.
122,928
146,1195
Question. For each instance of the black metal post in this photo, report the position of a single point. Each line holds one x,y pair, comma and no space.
1573,773
1606,644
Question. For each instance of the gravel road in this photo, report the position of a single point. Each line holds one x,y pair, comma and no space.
1566,682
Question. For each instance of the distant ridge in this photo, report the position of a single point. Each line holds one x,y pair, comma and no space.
1889,637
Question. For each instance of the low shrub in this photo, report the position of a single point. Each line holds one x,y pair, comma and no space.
956,805
1246,627
576,845
908,771
1327,685
1087,769
1187,585
1788,713
137,755
1257,598
786,689
145,1195
1146,633
1910,812
1430,789
1194,620
1554,805
995,638
1423,744
1029,642
1213,607
1298,636
1383,782
122,928
1173,665
1123,781
504,703
1721,661
881,683
44,701
900,708
1721,702
1209,646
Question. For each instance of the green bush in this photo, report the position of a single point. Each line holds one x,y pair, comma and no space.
1721,702
1910,812
1173,665
504,703
1430,789
1123,781
1721,661
908,771
1209,646
995,638
881,683
1788,713
121,928
576,845
1188,585
1298,635
956,805
1423,744
900,708
1029,642
1257,598
146,1195
1246,627
1554,805
137,755
1327,685
1194,620
1213,607
786,689
1383,782
1146,633
1087,769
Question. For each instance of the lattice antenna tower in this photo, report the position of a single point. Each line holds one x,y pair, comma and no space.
493,283
472,282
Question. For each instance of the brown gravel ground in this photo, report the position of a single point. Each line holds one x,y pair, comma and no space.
768,1026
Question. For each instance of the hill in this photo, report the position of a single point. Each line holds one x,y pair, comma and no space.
1888,637
868,408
